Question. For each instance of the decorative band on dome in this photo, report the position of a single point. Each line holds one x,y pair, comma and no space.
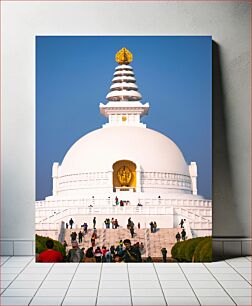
124,72
123,95
124,79
123,67
125,85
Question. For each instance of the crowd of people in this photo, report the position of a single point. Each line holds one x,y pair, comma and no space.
123,252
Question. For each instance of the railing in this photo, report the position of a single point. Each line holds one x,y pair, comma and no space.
200,225
47,226
191,214
108,211
105,202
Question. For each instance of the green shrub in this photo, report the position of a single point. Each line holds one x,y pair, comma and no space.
41,245
175,249
203,251
196,249
190,248
181,251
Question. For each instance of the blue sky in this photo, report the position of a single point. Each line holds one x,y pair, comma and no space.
74,73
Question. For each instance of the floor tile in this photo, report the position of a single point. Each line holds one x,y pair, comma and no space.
248,277
14,264
239,291
30,276
243,300
81,292
4,259
175,284
21,258
144,284
114,292
234,284
204,284
142,300
142,271
85,284
7,276
170,270
116,301
237,259
9,270
58,277
62,271
47,300
166,265
33,264
229,276
172,276
220,300
51,292
79,300
178,292
217,264
16,300
113,277
200,276
181,300
5,283
114,267
238,264
55,284
146,292
243,270
114,284
40,271
194,270
25,284
89,271
210,292
19,292
216,270
151,277
84,277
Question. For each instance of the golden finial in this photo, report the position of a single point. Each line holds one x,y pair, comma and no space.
124,56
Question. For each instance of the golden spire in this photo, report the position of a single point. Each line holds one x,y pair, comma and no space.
123,56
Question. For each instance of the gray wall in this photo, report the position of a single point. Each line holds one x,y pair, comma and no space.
229,25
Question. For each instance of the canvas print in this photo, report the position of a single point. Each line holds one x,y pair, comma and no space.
123,149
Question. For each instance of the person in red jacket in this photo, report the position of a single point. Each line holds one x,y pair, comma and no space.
50,255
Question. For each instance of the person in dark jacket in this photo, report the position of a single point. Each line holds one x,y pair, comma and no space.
80,235
94,222
164,254
183,234
130,254
71,222
178,236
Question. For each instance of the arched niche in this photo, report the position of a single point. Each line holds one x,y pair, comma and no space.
124,175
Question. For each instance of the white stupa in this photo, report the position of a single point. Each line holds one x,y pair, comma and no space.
125,159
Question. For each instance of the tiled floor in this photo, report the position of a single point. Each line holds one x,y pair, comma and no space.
24,282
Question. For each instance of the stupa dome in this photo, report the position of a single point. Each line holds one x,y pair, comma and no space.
99,150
